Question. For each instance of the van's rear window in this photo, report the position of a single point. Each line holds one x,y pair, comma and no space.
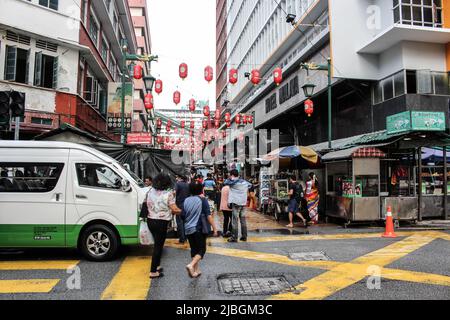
29,177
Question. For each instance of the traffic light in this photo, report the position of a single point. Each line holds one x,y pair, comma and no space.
17,103
4,110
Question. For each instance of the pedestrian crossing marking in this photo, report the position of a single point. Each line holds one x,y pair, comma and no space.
131,282
38,265
28,286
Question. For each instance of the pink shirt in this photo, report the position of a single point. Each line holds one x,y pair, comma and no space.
224,199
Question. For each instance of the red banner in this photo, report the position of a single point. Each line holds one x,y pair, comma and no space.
139,138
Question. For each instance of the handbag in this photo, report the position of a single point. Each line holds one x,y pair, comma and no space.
205,226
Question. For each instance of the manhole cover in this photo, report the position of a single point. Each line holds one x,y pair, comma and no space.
252,285
308,256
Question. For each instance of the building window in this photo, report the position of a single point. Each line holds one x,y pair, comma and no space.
104,51
52,4
16,64
424,13
29,177
93,30
91,90
45,71
42,121
391,87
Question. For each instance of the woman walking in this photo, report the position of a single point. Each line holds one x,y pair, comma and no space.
161,208
312,198
197,227
226,210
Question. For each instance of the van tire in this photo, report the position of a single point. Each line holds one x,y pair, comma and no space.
99,232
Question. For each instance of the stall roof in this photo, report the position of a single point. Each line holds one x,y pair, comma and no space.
349,152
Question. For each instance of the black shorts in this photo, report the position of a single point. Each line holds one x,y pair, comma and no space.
197,241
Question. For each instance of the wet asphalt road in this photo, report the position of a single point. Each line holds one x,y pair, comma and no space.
265,256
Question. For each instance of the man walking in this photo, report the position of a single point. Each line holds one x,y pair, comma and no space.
295,196
181,193
237,199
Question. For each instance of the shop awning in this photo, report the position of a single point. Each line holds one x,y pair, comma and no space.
291,152
434,154
355,152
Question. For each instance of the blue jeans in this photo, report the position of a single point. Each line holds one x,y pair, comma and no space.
180,229
238,213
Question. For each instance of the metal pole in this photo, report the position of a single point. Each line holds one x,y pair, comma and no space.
446,217
122,121
329,105
17,128
419,159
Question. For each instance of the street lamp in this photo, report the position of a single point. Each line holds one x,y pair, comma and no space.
308,90
149,81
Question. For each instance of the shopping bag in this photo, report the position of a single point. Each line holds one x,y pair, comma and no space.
145,235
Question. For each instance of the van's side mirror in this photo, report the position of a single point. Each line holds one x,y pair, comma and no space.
125,185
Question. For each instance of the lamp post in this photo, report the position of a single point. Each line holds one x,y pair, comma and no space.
148,80
309,90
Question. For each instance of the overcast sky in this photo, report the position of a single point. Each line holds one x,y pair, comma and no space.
183,31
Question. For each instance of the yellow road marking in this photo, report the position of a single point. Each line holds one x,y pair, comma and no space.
131,282
413,276
444,236
37,265
347,274
28,286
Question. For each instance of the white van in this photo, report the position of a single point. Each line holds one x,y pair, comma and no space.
58,194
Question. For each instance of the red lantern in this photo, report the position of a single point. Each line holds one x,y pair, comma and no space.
137,72
159,139
167,139
206,111
217,123
168,129
237,119
224,134
182,124
227,117
233,76
148,101
209,74
244,119
183,71
255,77
158,123
192,125
169,123
205,124
228,123
158,86
309,107
277,76
176,97
250,119
217,114
192,105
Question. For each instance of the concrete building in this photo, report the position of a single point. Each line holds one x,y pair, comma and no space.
221,52
386,59
63,54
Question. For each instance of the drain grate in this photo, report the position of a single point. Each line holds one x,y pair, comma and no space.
252,284
308,256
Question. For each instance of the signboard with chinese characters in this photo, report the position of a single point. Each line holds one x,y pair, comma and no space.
400,122
114,114
139,138
428,121
415,121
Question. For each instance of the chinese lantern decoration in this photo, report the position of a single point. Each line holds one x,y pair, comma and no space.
209,73
168,129
205,124
244,119
176,97
183,71
137,72
309,107
237,119
192,105
192,126
158,86
148,101
159,139
255,77
182,124
227,117
277,76
250,119
224,134
228,123
169,123
217,114
206,111
233,76
167,139
159,123
217,123
179,141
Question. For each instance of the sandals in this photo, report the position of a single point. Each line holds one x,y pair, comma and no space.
191,271
160,269
160,275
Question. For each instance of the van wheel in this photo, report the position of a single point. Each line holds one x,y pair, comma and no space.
99,243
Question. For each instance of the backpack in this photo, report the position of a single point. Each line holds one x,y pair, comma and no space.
298,193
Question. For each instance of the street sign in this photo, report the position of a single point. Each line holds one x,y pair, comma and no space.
139,138
415,121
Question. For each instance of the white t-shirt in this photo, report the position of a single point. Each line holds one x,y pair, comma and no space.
158,203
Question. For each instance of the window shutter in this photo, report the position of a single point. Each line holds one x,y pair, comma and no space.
38,69
11,58
27,68
55,73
